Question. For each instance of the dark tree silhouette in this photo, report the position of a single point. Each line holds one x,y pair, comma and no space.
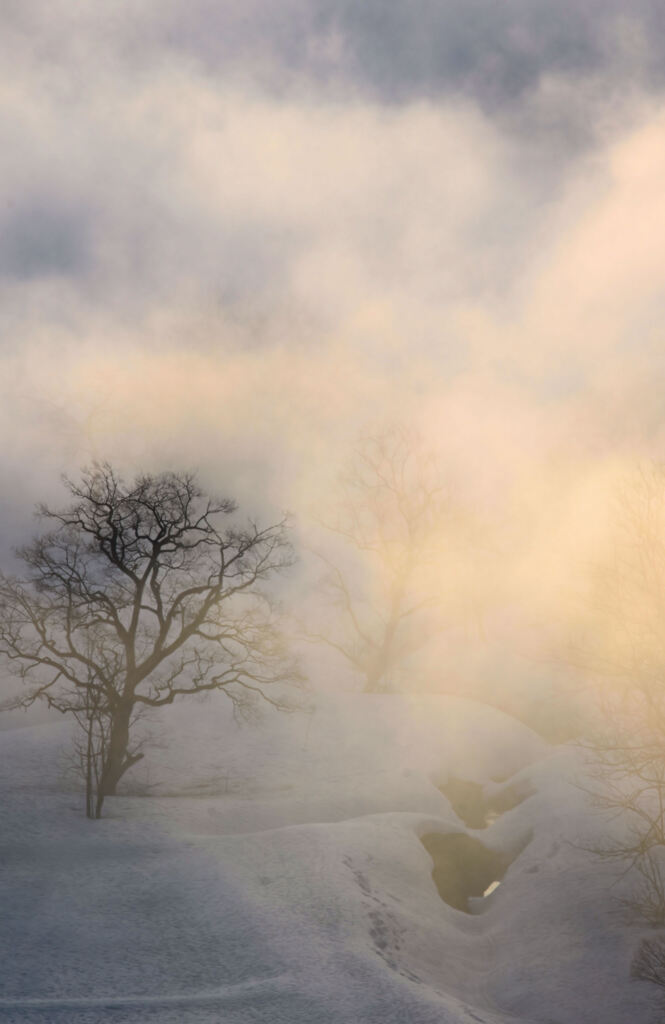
140,594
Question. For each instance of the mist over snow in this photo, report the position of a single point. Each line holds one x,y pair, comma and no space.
234,239
278,874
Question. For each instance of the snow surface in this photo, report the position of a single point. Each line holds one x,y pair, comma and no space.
274,874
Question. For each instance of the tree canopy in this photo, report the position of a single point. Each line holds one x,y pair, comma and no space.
138,594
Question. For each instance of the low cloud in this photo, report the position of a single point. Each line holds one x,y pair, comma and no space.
198,270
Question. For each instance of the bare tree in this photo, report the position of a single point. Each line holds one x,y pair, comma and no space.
621,646
626,779
394,517
649,962
140,594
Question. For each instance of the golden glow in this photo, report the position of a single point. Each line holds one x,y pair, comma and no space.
526,364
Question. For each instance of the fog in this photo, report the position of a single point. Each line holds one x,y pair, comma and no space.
393,271
234,244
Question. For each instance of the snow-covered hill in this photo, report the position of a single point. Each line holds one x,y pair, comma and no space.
277,874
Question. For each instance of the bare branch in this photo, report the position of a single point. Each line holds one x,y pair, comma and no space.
140,594
395,515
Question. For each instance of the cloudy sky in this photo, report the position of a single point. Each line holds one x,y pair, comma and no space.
232,235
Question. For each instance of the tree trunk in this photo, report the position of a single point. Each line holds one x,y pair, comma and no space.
380,663
384,657
118,760
89,773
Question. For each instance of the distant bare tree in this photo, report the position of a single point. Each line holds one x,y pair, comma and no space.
140,594
394,516
627,780
622,646
649,962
